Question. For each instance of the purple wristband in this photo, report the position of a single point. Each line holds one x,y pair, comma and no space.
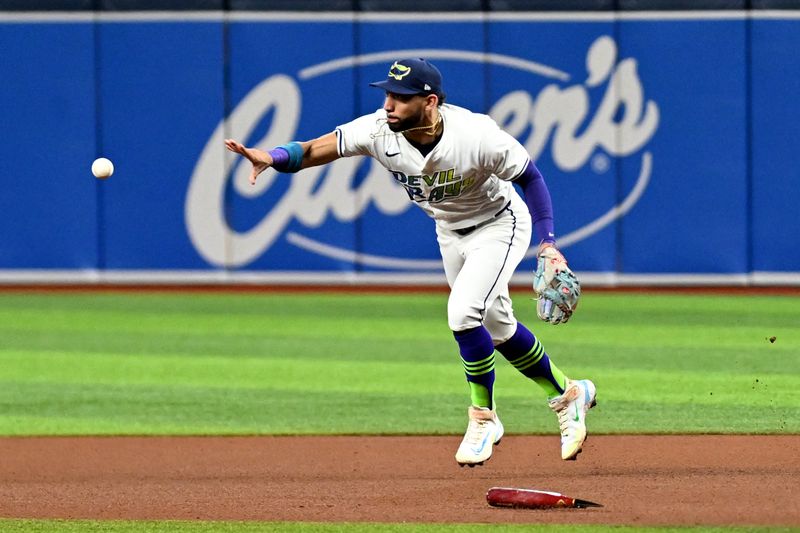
280,158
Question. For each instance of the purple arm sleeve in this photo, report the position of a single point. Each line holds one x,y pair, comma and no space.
538,199
280,158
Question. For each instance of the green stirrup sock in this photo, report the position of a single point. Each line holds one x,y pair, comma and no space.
480,395
546,382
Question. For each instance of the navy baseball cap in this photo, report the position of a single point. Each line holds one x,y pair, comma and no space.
412,76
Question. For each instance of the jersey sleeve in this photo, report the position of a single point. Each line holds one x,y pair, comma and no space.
502,154
357,137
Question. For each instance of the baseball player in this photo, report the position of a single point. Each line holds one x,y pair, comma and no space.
459,166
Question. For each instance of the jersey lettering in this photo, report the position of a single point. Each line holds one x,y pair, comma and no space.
441,185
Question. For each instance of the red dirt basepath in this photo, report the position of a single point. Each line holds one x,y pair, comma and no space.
641,480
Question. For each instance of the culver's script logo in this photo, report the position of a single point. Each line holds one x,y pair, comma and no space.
621,125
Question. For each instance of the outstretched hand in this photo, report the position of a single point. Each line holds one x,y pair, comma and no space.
260,159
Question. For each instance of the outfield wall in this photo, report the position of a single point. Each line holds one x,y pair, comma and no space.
668,141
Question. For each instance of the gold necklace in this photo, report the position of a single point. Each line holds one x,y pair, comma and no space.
432,127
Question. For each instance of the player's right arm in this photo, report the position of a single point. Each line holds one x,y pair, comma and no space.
289,157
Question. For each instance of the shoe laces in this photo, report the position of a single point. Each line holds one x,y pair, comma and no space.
477,430
565,418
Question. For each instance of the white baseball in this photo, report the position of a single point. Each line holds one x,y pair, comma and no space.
102,168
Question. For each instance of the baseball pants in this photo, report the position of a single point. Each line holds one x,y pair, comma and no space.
479,266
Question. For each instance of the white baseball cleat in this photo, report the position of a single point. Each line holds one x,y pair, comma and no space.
483,432
571,408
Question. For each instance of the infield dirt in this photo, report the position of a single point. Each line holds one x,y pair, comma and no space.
640,480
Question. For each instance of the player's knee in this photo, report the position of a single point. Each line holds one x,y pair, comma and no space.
462,321
500,330
500,322
461,316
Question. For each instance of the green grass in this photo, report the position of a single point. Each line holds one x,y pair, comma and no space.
161,363
41,526
150,363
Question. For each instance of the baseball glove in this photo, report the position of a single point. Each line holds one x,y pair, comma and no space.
556,286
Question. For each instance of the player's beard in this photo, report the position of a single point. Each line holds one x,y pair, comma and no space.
414,121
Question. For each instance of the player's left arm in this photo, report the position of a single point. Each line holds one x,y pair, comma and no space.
507,159
556,286
540,205
537,196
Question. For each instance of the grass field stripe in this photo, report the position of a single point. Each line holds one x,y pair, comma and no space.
153,362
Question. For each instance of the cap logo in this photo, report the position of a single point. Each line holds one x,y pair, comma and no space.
398,71
427,87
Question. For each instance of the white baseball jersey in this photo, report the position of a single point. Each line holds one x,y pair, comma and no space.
463,181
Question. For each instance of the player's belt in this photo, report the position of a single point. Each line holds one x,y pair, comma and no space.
470,229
